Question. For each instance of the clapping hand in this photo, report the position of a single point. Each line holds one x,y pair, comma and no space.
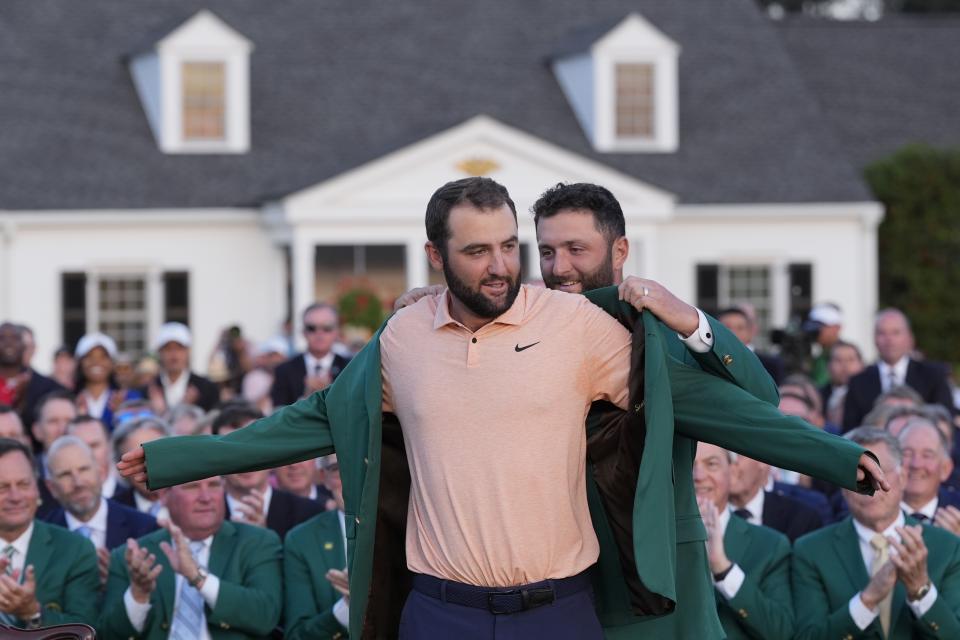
143,570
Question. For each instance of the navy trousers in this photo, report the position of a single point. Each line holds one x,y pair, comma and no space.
570,618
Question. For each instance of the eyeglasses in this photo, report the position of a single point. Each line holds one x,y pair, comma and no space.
313,328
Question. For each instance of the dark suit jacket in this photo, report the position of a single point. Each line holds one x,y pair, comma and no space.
828,569
209,392
312,549
773,364
38,387
288,379
810,497
790,517
122,522
287,511
763,606
925,378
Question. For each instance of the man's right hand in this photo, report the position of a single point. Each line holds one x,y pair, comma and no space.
413,295
143,569
133,465
880,586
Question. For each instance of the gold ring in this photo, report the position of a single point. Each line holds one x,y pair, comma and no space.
646,292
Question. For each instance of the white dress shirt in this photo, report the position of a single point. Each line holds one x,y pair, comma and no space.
96,406
731,583
97,524
929,509
313,362
899,371
862,616
147,506
755,507
234,504
701,340
20,545
174,392
341,608
137,612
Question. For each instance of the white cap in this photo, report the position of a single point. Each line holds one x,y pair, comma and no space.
91,341
276,344
173,332
826,314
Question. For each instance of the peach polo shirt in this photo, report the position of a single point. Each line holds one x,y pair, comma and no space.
493,423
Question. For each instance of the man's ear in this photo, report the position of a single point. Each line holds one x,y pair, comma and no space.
946,469
434,256
620,251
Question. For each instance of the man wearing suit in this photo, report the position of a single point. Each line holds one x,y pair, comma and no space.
316,598
177,384
877,574
751,501
20,386
200,577
131,435
845,362
927,465
472,227
744,327
894,342
249,496
73,478
750,564
48,575
318,366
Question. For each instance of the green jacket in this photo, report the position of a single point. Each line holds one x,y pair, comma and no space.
245,558
650,577
828,569
763,607
310,550
68,582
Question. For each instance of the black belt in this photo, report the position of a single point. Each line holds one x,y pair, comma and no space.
498,600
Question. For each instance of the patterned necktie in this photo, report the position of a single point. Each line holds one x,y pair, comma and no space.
8,553
743,513
189,618
882,548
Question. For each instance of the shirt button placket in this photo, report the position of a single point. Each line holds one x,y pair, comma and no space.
473,349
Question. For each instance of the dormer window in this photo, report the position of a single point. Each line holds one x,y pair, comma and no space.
194,84
204,100
635,105
622,86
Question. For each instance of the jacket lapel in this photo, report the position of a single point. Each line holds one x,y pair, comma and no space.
847,547
737,539
222,548
40,551
166,581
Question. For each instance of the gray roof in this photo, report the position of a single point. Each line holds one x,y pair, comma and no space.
882,85
338,83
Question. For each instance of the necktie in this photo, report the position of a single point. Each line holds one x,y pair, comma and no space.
919,516
85,531
882,548
188,619
892,381
155,508
743,513
8,553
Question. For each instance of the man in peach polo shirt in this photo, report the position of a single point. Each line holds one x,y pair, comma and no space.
492,383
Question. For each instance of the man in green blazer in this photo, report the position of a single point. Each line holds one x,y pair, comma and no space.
665,394
201,576
877,574
750,564
315,552
48,575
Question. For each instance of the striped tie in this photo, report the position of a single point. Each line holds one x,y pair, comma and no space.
8,553
188,619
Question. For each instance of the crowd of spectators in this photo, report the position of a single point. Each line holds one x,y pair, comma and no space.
263,553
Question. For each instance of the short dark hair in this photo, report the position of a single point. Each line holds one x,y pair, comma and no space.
5,408
482,193
9,445
731,311
321,305
607,214
844,343
84,418
56,394
235,415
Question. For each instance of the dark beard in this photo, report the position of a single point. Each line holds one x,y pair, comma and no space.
476,302
602,277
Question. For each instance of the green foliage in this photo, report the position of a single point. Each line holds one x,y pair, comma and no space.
919,243
360,306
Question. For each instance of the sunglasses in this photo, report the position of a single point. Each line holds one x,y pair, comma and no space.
313,328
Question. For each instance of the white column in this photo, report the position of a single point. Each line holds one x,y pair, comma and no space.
7,235
156,302
780,293
869,288
302,253
418,271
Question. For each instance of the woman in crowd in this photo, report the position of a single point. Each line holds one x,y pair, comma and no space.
98,393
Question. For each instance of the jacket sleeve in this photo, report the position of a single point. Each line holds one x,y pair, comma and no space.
729,359
114,622
712,410
251,602
294,433
81,588
764,602
943,619
815,619
306,614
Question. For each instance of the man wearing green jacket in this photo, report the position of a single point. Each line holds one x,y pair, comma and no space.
201,576
663,393
48,575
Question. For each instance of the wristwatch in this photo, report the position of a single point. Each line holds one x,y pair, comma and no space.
921,592
198,579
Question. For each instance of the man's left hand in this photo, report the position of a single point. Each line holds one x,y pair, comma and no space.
19,600
910,558
868,469
671,310
178,554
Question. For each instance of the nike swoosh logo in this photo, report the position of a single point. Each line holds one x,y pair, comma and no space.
518,348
